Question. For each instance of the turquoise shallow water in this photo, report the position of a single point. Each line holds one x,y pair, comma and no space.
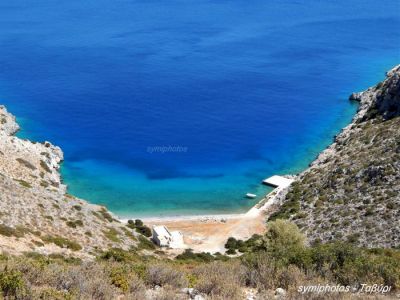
248,89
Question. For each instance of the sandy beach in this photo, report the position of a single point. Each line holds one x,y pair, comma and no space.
209,233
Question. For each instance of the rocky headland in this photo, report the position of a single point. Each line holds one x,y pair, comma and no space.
36,213
351,192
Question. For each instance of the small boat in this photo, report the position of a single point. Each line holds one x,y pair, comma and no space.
251,196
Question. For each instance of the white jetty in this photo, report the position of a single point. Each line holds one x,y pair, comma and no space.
165,238
251,196
278,181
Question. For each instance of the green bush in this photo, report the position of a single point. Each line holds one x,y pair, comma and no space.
231,243
77,207
114,254
119,272
120,278
283,239
62,242
290,207
190,255
139,227
129,233
45,167
12,284
75,223
104,214
145,244
231,252
144,230
11,231
52,293
24,183
138,222
26,164
113,235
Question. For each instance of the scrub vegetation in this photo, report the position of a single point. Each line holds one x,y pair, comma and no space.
352,192
279,259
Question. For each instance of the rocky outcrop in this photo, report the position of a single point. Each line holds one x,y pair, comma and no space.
382,100
36,213
30,161
352,190
8,124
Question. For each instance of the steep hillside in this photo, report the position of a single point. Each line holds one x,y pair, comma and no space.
36,214
352,191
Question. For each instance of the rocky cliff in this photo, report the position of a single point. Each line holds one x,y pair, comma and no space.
36,213
352,190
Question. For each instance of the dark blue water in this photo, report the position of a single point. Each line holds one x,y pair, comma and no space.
246,89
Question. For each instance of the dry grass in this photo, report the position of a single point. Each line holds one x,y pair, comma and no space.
164,275
221,280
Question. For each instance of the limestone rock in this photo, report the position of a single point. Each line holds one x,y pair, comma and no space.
36,213
351,192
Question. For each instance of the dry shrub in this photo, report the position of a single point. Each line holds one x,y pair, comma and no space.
56,280
261,272
168,293
13,285
137,289
290,278
87,281
220,280
50,293
37,272
266,295
162,275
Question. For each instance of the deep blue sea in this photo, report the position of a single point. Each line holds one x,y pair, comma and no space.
235,90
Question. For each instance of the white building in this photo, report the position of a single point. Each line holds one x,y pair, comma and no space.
165,238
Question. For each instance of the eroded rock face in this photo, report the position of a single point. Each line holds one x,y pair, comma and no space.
352,190
388,103
36,214
36,164
8,126
381,100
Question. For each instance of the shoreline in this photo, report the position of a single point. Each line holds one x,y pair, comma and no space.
208,233
34,202
202,233
256,207
210,236
186,217
275,195
220,215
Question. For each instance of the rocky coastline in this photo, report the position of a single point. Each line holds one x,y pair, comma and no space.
367,100
351,191
37,214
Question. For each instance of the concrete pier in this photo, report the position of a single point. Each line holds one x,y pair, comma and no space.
278,181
